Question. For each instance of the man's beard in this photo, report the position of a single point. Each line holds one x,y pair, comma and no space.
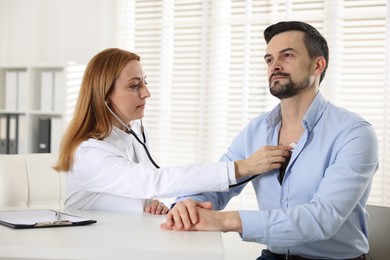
289,89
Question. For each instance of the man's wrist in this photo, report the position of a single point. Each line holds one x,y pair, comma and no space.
231,221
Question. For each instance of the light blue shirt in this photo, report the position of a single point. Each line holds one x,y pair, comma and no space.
319,209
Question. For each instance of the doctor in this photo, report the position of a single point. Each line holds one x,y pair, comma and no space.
105,150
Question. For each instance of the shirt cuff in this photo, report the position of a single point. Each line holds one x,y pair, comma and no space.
231,173
253,226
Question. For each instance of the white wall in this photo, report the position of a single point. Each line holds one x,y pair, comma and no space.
54,31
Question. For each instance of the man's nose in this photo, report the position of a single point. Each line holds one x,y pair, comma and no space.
276,67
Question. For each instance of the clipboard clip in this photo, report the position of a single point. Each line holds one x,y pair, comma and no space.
53,223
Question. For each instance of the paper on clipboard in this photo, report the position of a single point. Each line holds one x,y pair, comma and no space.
40,218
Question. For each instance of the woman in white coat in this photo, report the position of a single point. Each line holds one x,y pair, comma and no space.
104,150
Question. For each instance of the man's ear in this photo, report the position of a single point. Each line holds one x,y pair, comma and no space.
319,65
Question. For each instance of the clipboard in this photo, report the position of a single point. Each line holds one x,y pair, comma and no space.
21,219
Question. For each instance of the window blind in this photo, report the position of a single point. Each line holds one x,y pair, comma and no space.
204,65
362,76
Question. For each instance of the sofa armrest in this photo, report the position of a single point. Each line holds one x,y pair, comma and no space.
28,181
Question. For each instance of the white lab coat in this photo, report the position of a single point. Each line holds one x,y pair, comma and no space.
116,174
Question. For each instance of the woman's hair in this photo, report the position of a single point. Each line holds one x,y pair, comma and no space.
316,44
91,118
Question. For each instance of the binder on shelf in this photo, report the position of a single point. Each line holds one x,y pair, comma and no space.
44,132
47,91
20,219
56,131
11,90
22,134
59,94
13,128
22,90
3,134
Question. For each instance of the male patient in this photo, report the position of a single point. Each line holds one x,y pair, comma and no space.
313,207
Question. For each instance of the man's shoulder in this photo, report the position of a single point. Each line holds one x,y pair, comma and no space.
344,115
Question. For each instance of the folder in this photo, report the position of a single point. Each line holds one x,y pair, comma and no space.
22,134
20,219
44,133
59,92
47,91
3,133
56,131
11,90
13,127
22,90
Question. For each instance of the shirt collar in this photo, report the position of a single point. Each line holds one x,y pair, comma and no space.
313,114
315,111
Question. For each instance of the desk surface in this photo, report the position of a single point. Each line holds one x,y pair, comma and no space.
116,235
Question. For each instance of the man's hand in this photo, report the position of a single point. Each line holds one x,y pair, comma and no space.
198,216
156,207
185,213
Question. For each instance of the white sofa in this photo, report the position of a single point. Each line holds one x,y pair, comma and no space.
27,181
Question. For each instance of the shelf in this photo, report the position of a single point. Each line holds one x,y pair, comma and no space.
32,96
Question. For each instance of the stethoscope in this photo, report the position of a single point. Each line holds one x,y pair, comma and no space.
130,131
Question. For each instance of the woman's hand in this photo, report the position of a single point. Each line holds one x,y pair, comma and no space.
263,160
156,207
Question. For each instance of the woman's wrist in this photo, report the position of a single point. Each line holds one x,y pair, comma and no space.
240,169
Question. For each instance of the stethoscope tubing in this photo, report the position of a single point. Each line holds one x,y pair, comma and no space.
130,131
243,182
144,146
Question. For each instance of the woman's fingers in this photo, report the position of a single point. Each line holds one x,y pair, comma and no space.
156,207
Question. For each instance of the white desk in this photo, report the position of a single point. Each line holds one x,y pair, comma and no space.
115,236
